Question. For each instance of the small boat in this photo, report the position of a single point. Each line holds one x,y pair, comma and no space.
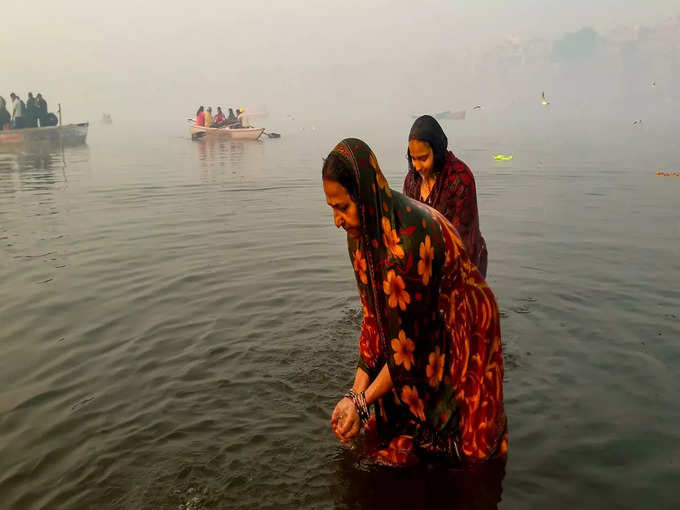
447,115
71,134
233,133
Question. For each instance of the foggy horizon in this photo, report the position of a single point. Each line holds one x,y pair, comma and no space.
342,62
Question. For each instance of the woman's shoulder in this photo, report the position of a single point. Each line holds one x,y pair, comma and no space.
457,172
414,213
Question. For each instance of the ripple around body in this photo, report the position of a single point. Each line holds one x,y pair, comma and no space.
180,319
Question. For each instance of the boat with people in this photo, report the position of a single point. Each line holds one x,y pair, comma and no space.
71,134
235,133
31,122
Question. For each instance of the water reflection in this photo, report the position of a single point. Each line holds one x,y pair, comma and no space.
219,152
9,162
41,159
220,157
38,164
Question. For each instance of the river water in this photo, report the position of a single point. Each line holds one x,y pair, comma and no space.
179,318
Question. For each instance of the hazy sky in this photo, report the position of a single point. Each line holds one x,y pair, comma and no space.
148,57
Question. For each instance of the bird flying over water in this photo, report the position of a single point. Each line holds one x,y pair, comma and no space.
477,107
544,101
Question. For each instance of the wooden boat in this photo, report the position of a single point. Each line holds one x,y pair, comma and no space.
71,134
449,115
446,115
233,133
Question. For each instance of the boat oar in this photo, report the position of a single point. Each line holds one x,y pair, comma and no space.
272,135
196,136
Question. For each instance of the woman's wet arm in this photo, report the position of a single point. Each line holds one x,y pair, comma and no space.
361,381
380,386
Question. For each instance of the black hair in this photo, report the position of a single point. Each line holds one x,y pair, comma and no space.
336,168
200,109
427,129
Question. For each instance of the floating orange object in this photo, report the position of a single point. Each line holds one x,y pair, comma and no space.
667,174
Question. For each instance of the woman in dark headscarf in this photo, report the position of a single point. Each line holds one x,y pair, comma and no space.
441,180
231,118
430,346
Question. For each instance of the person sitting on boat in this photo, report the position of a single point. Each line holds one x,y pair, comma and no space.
41,105
200,116
231,119
18,111
208,117
31,111
5,116
219,118
243,119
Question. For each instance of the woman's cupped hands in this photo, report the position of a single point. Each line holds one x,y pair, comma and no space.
345,420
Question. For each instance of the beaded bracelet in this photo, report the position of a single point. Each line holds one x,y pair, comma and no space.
360,404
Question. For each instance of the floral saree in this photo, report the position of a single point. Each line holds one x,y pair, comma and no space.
429,315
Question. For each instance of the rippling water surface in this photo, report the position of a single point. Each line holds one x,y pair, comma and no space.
178,319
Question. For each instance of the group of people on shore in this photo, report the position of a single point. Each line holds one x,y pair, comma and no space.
429,380
238,119
29,114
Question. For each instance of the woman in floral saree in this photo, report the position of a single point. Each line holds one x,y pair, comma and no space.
430,347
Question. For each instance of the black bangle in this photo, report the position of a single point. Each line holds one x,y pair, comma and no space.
350,395
362,408
360,405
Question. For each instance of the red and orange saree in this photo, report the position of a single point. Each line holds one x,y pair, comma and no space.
428,314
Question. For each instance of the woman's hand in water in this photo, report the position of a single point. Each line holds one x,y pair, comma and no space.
345,420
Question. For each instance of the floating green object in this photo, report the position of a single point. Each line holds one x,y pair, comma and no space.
502,157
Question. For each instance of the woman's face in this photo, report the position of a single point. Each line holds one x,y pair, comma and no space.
345,210
422,157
